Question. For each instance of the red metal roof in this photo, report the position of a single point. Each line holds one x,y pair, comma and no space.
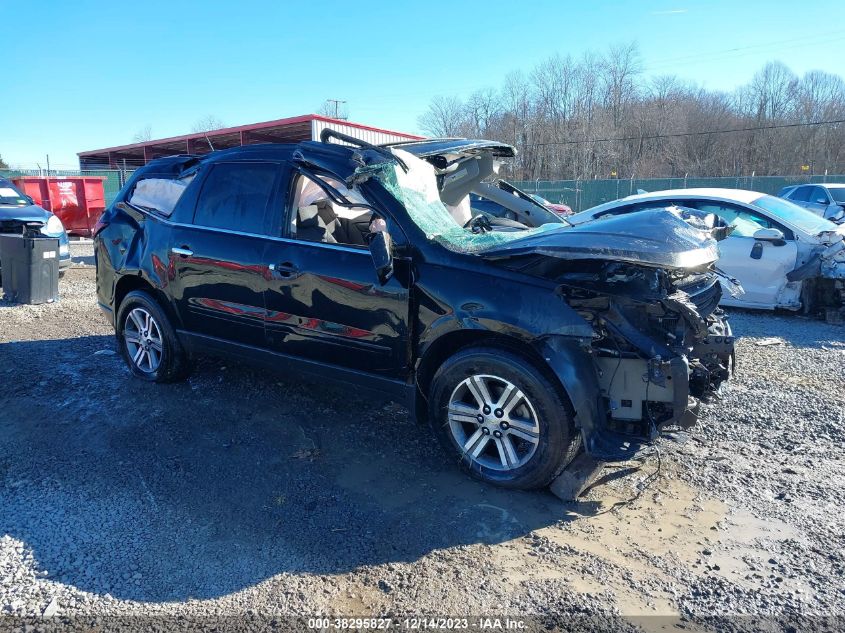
291,129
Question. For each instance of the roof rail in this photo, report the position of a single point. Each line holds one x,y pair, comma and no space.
328,134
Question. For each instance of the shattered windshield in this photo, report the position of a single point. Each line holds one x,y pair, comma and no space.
798,216
417,191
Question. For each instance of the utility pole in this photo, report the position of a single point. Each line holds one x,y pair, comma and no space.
336,103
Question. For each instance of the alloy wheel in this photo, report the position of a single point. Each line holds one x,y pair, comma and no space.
493,422
142,337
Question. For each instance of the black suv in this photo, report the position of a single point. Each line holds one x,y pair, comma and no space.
518,339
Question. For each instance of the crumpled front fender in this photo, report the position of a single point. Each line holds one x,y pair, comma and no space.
833,260
833,269
573,365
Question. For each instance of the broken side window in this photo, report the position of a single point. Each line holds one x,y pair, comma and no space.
159,194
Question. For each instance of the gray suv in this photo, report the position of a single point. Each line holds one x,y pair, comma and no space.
826,200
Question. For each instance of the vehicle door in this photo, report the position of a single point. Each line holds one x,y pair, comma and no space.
818,201
217,254
761,265
324,300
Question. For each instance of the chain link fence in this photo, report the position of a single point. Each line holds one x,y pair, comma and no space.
584,194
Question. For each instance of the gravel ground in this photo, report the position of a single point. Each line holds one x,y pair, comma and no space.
239,492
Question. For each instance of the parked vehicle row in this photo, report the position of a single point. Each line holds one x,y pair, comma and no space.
517,339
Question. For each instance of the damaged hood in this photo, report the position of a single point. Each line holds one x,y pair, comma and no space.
28,213
652,237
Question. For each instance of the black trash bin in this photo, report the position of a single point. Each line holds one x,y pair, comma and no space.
29,264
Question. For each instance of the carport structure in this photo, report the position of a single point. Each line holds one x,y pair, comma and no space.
290,130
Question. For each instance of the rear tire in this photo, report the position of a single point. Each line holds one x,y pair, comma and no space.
147,340
505,421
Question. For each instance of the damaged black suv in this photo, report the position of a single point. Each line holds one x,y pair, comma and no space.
517,337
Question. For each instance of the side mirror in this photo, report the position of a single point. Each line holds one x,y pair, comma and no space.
821,200
381,250
775,236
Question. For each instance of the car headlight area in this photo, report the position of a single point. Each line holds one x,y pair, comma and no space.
54,227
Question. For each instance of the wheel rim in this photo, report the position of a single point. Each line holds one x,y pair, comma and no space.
493,422
142,337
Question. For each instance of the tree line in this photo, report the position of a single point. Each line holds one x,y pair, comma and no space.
600,116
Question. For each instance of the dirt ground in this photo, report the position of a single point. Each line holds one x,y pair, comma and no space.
243,492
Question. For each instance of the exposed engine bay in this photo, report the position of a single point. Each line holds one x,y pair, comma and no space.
661,344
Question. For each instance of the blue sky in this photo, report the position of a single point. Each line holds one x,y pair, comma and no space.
84,75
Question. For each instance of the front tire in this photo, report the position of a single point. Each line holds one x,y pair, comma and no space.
502,418
147,340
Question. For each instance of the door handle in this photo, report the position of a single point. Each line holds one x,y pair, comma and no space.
285,269
182,251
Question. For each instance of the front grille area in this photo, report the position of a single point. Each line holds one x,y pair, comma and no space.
704,291
11,226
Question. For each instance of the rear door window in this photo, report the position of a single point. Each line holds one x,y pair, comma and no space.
237,197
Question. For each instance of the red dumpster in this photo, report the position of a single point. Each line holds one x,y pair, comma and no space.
77,200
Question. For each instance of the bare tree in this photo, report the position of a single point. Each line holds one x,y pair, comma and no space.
621,67
445,117
3,164
482,109
143,135
208,123
597,115
517,108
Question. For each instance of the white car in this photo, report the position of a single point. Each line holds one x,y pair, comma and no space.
783,255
